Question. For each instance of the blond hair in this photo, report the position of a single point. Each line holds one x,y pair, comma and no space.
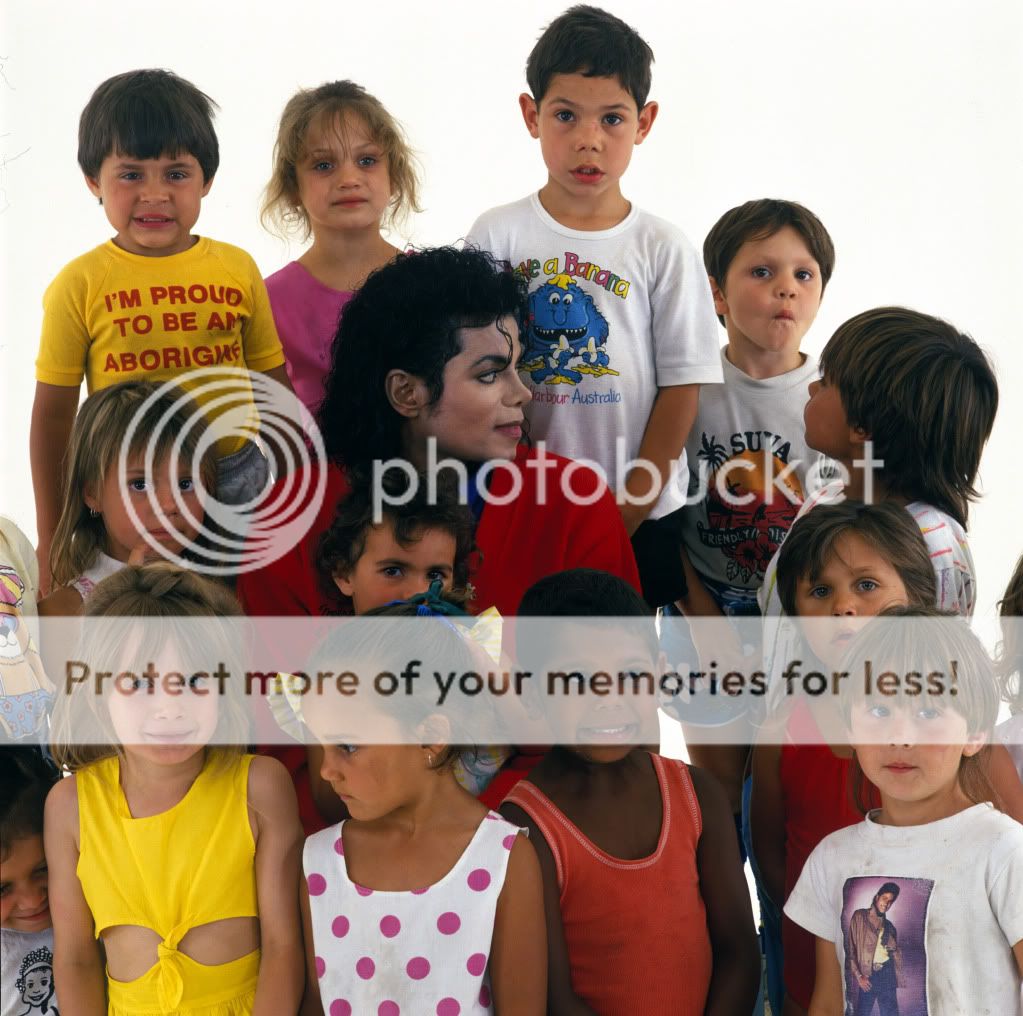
150,606
328,106
99,431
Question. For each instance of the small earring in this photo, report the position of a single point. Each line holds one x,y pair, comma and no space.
94,513
429,760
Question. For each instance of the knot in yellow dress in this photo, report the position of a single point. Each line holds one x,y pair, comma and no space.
188,866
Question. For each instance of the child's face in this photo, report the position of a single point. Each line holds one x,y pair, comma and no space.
856,583
911,750
371,779
387,571
827,427
479,415
152,203
153,498
587,129
343,178
603,727
770,294
24,900
167,714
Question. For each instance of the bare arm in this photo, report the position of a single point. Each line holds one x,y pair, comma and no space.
1017,951
53,415
518,957
735,977
827,985
278,861
312,1005
278,456
78,973
561,997
671,419
767,820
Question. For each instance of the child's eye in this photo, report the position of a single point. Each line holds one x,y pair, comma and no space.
198,681
819,592
392,571
437,573
929,714
867,585
347,749
5,888
186,483
368,160
879,712
803,275
613,119
138,485
140,684
131,175
761,272
564,116
322,165
177,174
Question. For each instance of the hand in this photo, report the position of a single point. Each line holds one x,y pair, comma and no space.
864,982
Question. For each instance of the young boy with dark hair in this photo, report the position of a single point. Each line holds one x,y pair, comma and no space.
621,331
419,540
768,262
154,302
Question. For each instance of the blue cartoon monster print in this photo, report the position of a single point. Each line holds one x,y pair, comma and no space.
567,335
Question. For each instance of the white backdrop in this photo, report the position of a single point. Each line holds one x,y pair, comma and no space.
899,122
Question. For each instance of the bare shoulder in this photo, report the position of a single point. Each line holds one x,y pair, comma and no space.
62,807
270,785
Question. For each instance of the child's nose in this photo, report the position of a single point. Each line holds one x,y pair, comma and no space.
154,189
588,134
785,286
844,605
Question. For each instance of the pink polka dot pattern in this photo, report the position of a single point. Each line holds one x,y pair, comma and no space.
417,968
339,1007
316,884
476,964
419,892
340,926
485,997
448,923
363,891
321,967
339,846
389,926
365,968
492,817
509,841
388,1008
479,879
448,1007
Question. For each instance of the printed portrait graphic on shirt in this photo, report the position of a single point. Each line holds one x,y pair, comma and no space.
24,698
567,335
883,928
34,985
752,498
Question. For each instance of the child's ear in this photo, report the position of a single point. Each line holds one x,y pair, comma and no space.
343,583
208,185
720,303
90,499
647,116
93,184
530,113
974,744
406,393
434,734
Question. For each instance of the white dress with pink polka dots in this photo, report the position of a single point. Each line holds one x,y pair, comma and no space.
421,952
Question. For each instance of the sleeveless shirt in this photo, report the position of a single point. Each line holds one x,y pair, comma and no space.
416,951
636,931
171,872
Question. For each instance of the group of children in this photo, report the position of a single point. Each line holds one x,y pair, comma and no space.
170,862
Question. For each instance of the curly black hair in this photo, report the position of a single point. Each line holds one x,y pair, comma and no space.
406,317
25,780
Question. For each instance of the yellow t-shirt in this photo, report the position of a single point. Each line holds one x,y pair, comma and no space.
111,316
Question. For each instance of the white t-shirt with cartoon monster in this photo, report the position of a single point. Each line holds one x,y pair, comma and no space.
615,314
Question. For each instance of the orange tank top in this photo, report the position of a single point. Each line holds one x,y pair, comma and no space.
171,872
636,931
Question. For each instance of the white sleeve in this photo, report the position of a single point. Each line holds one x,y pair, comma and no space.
1006,894
687,339
482,235
810,904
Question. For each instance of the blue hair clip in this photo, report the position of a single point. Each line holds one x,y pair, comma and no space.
432,603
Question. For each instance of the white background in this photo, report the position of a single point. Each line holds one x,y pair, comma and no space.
900,123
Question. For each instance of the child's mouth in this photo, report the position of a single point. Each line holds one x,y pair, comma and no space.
152,221
587,174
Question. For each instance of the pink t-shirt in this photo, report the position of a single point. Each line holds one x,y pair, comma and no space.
306,313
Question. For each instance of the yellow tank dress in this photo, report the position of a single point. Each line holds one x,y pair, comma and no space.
172,872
